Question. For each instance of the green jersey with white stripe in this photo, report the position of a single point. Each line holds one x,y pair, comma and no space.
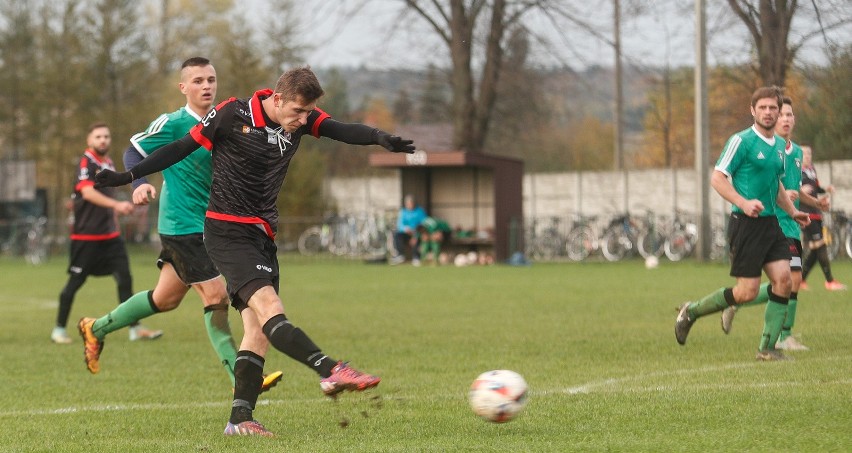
792,180
755,165
186,184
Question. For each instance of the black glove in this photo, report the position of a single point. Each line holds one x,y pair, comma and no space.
394,143
109,178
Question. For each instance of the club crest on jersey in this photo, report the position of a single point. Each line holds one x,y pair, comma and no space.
246,129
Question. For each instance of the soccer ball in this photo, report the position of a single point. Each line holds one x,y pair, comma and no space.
652,262
498,396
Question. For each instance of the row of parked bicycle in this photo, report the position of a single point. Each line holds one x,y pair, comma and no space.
617,237
621,236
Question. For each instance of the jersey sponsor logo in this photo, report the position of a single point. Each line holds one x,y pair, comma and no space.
262,267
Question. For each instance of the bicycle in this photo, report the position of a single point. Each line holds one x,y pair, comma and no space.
318,238
681,241
550,243
652,240
619,238
582,240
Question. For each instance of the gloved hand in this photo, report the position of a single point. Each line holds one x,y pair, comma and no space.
109,178
394,143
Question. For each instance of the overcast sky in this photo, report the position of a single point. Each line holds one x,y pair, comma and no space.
369,33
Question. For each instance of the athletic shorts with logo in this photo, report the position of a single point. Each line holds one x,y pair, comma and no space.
98,258
755,242
187,254
796,252
245,255
813,231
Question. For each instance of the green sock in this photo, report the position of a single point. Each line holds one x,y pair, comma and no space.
789,320
138,307
762,296
711,303
773,321
219,332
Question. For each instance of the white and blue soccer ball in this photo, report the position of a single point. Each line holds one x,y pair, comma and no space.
498,395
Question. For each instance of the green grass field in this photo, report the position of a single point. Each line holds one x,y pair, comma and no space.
594,341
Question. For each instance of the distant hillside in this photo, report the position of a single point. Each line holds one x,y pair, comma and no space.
574,94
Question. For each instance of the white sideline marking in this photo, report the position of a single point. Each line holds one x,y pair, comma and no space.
616,382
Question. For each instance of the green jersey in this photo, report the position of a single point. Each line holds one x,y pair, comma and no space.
755,165
792,180
432,225
186,184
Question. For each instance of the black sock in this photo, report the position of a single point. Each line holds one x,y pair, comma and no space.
248,373
824,262
809,261
292,341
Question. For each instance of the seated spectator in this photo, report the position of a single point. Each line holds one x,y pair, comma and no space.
433,233
410,216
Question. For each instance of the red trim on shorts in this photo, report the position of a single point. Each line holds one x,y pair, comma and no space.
815,216
239,219
95,237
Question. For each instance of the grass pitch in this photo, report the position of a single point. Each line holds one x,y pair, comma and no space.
594,341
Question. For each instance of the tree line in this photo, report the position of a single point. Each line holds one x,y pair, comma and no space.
65,64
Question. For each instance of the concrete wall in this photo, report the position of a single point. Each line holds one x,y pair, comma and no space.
590,193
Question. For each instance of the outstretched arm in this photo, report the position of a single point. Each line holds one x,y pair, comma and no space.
164,158
361,134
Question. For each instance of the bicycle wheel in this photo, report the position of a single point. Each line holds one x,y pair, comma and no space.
36,250
848,242
581,243
310,241
615,245
832,245
678,245
651,244
546,247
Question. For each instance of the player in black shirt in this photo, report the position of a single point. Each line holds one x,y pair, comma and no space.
817,250
97,248
253,141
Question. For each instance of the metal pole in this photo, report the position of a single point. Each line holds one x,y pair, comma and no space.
702,134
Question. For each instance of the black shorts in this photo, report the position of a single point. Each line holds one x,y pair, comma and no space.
796,252
813,232
245,255
98,258
755,242
187,254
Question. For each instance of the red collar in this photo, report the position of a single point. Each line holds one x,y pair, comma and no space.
256,108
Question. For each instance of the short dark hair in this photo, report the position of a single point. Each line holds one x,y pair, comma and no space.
299,83
787,100
96,125
195,61
767,92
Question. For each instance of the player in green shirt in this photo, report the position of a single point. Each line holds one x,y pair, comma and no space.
432,232
792,182
183,261
754,161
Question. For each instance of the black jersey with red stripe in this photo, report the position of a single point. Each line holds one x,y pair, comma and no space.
251,155
809,177
92,222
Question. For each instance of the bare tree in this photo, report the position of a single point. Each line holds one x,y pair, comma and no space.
769,23
461,25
